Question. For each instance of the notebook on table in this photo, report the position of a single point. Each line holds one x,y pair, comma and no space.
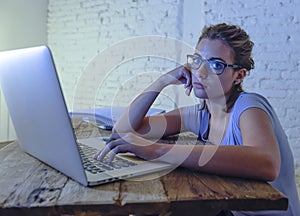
31,88
106,117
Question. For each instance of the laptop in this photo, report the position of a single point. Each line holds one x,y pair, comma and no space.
31,88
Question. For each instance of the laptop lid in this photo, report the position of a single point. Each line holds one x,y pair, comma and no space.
35,101
34,97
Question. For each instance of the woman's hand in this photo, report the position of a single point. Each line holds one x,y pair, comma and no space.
180,75
129,143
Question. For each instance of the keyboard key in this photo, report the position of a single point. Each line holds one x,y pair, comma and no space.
95,166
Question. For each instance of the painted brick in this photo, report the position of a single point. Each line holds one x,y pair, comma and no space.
80,29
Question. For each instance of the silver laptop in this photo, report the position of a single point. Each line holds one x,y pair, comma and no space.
36,104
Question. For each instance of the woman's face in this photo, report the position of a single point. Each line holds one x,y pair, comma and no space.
206,84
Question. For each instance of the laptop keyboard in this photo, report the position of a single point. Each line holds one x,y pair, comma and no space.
90,164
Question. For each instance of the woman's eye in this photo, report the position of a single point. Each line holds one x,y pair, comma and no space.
215,65
197,61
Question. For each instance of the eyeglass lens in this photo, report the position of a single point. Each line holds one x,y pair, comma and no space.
214,66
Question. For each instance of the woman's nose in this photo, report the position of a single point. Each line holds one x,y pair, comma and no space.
201,72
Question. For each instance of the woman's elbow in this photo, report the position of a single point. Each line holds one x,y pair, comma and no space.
271,175
271,168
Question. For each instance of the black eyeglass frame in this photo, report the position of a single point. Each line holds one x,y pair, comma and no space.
225,65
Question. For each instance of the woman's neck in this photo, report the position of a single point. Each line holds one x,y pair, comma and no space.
216,107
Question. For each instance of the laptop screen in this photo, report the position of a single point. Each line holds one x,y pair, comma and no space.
36,104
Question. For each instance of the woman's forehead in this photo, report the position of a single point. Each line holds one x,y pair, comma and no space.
214,49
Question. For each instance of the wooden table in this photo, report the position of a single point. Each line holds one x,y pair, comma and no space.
29,187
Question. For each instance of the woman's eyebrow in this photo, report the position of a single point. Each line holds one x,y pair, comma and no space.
198,55
216,58
211,58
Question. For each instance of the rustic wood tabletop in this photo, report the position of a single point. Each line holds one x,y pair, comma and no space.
29,187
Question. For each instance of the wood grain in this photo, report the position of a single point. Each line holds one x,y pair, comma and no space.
29,187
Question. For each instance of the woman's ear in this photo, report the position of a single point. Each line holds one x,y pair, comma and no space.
240,75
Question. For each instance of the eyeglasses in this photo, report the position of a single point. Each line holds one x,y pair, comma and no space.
216,66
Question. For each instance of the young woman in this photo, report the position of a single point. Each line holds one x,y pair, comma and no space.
245,136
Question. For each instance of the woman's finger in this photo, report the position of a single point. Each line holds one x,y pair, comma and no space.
102,153
113,147
118,149
188,90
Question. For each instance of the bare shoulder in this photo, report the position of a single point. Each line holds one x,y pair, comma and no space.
256,128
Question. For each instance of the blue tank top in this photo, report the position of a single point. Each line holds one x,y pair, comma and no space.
285,182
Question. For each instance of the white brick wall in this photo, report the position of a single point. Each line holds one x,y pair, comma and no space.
274,27
80,29
22,24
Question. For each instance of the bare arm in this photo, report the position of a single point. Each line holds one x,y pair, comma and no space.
134,120
259,157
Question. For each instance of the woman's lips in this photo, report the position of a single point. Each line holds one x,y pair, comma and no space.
198,85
